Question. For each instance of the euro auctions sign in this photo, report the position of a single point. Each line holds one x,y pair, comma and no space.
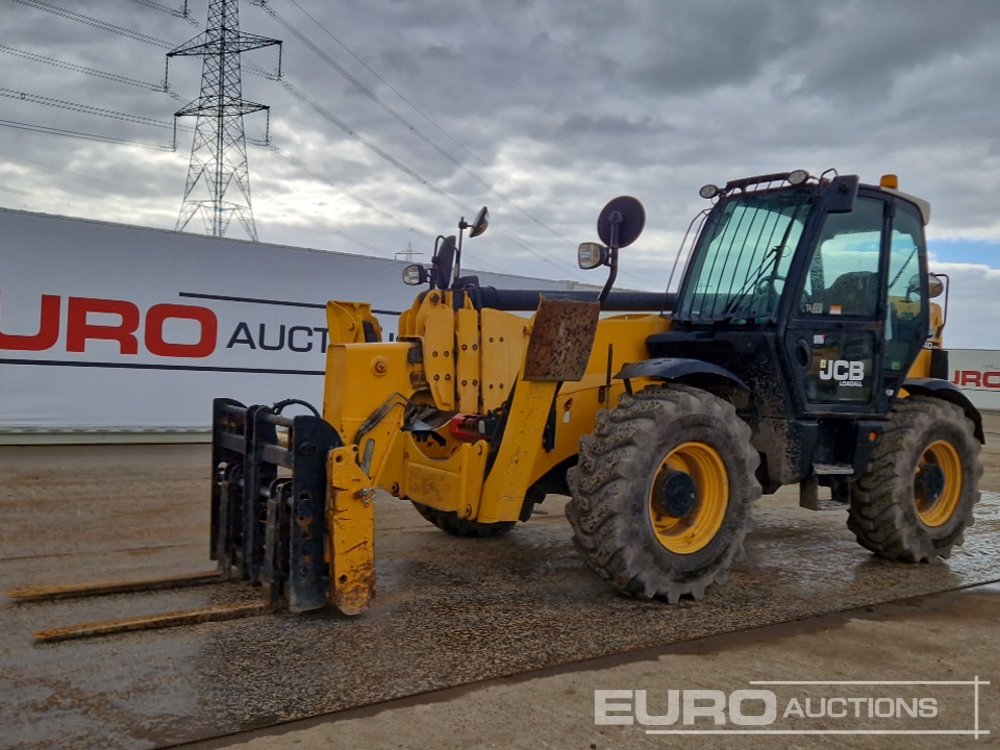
111,327
168,331
977,372
801,707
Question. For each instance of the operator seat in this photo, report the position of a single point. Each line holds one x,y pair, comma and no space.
855,291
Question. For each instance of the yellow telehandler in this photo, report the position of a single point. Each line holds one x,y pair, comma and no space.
801,347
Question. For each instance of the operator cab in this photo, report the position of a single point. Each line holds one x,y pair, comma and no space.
813,293
828,274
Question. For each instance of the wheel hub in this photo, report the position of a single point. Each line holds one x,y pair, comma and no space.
932,481
688,498
677,495
937,486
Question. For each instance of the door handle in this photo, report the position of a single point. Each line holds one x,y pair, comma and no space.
803,352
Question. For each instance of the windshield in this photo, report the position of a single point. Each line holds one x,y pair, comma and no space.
743,255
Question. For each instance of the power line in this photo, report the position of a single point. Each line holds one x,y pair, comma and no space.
182,14
147,39
410,126
385,83
154,41
332,118
86,109
347,236
95,22
80,135
320,178
35,57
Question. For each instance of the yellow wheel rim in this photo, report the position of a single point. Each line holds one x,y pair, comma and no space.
689,497
938,484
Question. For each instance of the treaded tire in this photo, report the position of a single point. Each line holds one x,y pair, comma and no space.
613,488
884,513
450,522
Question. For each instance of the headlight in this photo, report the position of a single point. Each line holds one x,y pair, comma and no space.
590,255
797,177
414,275
708,191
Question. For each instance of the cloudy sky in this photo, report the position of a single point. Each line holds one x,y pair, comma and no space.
397,116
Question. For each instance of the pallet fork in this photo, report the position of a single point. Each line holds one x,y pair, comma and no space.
270,525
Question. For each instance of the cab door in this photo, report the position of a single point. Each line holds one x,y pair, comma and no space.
834,338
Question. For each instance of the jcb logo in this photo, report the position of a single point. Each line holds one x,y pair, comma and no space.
842,370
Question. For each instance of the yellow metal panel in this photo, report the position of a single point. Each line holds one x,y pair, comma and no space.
408,320
921,367
515,470
504,339
450,484
467,374
503,493
436,328
345,322
350,532
359,379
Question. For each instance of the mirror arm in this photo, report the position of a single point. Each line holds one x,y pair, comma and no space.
616,218
434,261
462,225
613,262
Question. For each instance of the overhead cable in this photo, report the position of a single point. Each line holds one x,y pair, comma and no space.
182,14
36,128
401,119
35,57
26,96
96,23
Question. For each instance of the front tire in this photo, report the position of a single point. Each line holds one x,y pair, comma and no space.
662,493
915,501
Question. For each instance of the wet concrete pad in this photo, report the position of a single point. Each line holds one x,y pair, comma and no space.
448,612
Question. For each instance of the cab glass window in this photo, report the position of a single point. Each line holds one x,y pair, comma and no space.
843,272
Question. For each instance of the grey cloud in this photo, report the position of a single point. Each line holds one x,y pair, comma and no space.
559,105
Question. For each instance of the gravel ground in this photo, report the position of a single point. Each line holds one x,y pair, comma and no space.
491,616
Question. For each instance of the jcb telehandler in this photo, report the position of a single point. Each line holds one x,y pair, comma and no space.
801,347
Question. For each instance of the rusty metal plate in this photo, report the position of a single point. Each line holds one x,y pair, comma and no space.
561,339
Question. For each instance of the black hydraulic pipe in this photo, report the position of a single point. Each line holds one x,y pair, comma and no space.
526,300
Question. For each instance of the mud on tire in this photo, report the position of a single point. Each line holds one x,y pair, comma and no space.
662,493
915,501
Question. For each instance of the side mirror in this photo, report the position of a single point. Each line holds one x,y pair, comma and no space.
935,285
619,225
621,222
841,194
481,222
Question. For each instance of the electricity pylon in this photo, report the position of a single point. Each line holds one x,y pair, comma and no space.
219,151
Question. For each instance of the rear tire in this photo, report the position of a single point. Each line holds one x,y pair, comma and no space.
916,499
662,493
450,522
